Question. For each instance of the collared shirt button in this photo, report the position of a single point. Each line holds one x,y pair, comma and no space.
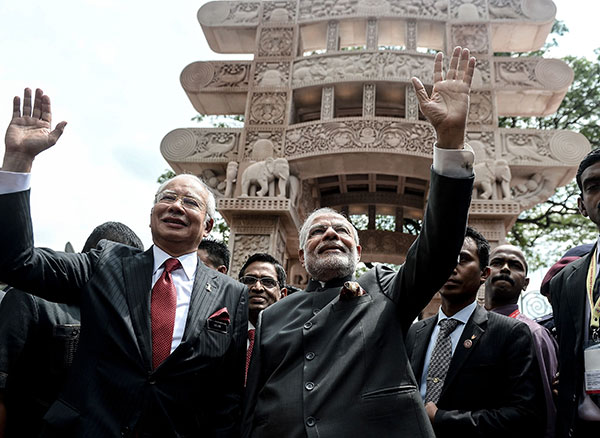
308,325
310,421
309,386
310,356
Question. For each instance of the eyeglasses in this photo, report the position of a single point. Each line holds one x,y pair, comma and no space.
187,201
267,282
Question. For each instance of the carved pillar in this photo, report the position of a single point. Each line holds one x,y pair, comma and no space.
368,105
327,103
411,108
411,35
333,36
372,215
372,34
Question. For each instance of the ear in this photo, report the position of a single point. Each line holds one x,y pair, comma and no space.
359,251
222,269
282,292
484,275
301,256
525,283
581,207
207,228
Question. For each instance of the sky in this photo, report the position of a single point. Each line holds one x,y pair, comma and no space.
112,71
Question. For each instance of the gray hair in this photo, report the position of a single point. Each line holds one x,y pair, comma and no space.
211,204
303,236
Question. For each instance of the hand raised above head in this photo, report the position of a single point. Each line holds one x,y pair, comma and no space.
29,133
448,105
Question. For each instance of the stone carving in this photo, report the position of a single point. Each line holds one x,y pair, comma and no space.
483,141
267,108
412,104
369,100
271,74
293,190
199,143
480,109
517,73
244,12
279,11
468,10
378,65
263,174
327,103
525,147
473,36
276,41
216,183
481,75
230,178
373,7
392,243
197,75
540,10
505,9
333,28
409,138
371,34
261,145
537,188
231,75
411,35
245,245
490,174
310,9
569,147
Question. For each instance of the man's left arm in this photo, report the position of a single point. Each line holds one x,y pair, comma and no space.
523,410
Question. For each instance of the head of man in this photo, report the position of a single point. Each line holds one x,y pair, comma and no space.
508,276
265,278
115,232
214,255
588,181
182,214
469,274
329,246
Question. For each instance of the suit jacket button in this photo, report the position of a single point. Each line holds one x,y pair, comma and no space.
574,398
308,325
309,386
310,356
315,311
310,422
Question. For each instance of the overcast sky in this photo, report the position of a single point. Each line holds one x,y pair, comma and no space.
112,71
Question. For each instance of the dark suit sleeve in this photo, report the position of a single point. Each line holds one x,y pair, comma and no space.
522,413
52,275
432,257
18,318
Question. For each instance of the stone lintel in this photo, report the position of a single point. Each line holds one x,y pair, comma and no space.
384,246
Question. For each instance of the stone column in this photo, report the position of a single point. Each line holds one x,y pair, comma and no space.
333,36
411,35
368,104
372,43
327,103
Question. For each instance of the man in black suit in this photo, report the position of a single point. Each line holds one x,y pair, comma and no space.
38,340
215,255
330,361
492,387
162,346
575,301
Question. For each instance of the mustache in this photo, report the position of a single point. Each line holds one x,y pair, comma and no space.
504,277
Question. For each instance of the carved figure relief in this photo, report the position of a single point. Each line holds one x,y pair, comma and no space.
369,100
474,36
230,178
481,75
262,175
373,7
310,9
271,74
263,144
279,12
216,145
517,73
489,174
505,9
276,41
360,134
199,143
244,12
244,245
231,75
215,182
480,110
469,10
537,188
267,108
525,147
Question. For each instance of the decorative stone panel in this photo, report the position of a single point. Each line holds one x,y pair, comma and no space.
473,36
244,245
538,10
272,74
230,13
385,246
201,75
469,10
267,109
276,42
311,10
198,144
520,73
481,111
369,100
261,144
279,11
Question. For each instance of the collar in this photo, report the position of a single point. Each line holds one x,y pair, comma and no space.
506,310
189,261
315,285
463,315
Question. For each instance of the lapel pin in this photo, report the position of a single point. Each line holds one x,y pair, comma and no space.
473,337
208,287
468,343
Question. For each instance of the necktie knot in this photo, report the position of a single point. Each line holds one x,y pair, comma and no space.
447,326
171,265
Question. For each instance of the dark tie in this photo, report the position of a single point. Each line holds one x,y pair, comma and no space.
162,310
440,360
251,333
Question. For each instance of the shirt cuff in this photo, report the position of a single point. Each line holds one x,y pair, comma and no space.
12,182
454,163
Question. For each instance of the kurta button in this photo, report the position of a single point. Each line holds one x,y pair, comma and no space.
309,386
574,397
315,311
310,356
310,422
308,325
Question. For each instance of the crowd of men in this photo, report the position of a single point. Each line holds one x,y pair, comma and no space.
163,343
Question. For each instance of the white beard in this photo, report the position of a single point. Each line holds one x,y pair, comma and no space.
328,266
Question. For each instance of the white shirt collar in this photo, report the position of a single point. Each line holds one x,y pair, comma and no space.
189,261
463,315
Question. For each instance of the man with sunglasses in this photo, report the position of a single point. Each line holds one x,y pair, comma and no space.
265,278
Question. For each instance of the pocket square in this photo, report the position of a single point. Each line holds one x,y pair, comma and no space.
351,290
221,315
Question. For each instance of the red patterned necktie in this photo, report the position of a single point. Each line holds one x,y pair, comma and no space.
251,333
162,310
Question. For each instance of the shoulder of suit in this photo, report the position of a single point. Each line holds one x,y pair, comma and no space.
505,321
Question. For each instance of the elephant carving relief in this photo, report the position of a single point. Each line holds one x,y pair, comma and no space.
230,178
488,173
262,175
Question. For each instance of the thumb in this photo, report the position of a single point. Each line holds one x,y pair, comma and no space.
55,135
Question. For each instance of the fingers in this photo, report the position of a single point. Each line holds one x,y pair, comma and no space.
420,90
468,78
37,104
452,73
27,103
46,111
55,135
16,107
437,67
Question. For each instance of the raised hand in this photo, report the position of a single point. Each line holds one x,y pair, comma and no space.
29,133
448,105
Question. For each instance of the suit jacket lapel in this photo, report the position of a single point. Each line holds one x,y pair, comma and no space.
205,293
577,293
421,342
137,273
473,331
